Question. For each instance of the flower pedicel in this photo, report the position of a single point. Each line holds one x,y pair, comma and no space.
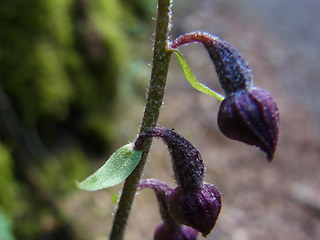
169,229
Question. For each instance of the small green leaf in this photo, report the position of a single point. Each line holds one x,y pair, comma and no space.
116,169
193,81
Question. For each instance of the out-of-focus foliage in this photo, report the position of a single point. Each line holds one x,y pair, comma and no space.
141,8
62,59
5,228
68,165
64,66
8,189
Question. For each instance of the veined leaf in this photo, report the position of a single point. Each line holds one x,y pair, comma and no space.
193,81
116,169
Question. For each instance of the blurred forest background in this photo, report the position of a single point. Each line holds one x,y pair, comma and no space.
73,75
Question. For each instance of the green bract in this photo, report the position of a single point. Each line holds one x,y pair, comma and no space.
193,81
116,169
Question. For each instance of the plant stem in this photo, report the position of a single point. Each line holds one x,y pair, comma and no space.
160,65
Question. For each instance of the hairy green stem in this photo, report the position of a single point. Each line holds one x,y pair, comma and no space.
160,65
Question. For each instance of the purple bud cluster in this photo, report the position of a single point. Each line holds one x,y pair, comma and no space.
247,114
192,203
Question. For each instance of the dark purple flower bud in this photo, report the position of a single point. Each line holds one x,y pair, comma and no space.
198,209
164,232
186,160
251,116
169,229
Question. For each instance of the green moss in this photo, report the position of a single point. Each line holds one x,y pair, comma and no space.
52,86
108,17
34,35
59,22
57,174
